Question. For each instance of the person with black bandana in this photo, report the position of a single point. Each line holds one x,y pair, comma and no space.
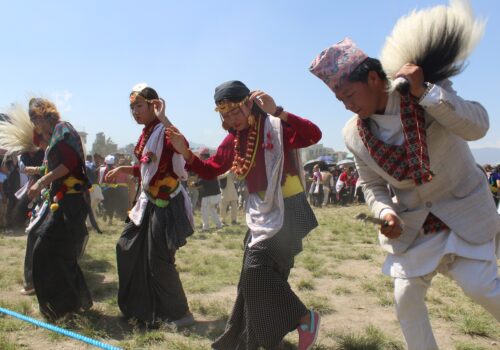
261,148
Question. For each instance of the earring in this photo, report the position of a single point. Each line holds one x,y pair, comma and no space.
251,120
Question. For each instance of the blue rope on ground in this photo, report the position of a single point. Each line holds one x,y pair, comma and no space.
59,330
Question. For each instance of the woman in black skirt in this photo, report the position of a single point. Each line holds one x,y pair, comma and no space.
59,222
150,289
262,150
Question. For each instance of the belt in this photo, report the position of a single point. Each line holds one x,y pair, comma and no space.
291,187
73,185
106,185
160,195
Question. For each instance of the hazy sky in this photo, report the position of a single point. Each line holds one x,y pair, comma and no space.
86,55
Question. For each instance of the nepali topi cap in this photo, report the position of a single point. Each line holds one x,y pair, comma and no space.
334,64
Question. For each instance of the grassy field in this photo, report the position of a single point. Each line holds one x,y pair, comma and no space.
338,274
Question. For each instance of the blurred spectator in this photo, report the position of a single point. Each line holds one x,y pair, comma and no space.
342,186
335,176
210,198
115,193
494,180
360,196
96,196
10,186
229,197
3,199
328,184
193,190
317,187
242,189
353,179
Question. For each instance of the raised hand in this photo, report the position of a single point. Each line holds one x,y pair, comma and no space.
264,101
415,76
160,106
177,139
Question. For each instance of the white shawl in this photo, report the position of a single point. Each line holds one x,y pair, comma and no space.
265,216
148,171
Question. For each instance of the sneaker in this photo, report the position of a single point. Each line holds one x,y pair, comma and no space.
186,321
27,291
309,333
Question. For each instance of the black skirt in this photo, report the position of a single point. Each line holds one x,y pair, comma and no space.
150,289
58,280
115,202
266,308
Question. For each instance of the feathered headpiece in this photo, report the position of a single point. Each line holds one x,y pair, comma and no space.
438,39
16,131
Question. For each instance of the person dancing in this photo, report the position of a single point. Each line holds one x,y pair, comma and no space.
58,280
406,137
150,289
261,148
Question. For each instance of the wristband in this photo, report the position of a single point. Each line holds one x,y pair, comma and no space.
428,88
278,111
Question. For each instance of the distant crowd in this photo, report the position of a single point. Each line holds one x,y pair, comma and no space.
218,200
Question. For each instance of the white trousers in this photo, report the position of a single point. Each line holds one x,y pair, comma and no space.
223,210
208,209
478,279
326,195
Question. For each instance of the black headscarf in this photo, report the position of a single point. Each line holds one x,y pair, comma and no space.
232,90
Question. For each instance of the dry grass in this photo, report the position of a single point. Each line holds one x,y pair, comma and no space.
338,273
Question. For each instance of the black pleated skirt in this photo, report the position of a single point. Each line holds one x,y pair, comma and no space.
58,280
150,289
266,308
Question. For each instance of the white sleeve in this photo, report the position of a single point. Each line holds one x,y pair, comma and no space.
466,119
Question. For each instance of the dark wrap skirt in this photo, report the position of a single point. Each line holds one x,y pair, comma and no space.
115,202
150,289
266,308
58,280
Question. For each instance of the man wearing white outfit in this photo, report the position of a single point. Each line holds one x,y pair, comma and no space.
327,180
210,198
441,217
229,197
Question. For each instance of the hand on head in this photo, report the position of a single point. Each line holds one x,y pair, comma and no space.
159,106
264,101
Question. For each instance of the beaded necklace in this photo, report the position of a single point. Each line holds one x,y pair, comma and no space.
139,147
242,165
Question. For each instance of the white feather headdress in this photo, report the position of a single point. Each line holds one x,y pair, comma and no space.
16,131
438,39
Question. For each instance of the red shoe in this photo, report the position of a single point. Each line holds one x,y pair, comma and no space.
309,333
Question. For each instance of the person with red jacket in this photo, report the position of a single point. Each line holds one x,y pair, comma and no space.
261,148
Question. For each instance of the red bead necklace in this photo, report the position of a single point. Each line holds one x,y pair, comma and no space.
242,165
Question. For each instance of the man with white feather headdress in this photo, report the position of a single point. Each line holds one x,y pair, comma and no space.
410,134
